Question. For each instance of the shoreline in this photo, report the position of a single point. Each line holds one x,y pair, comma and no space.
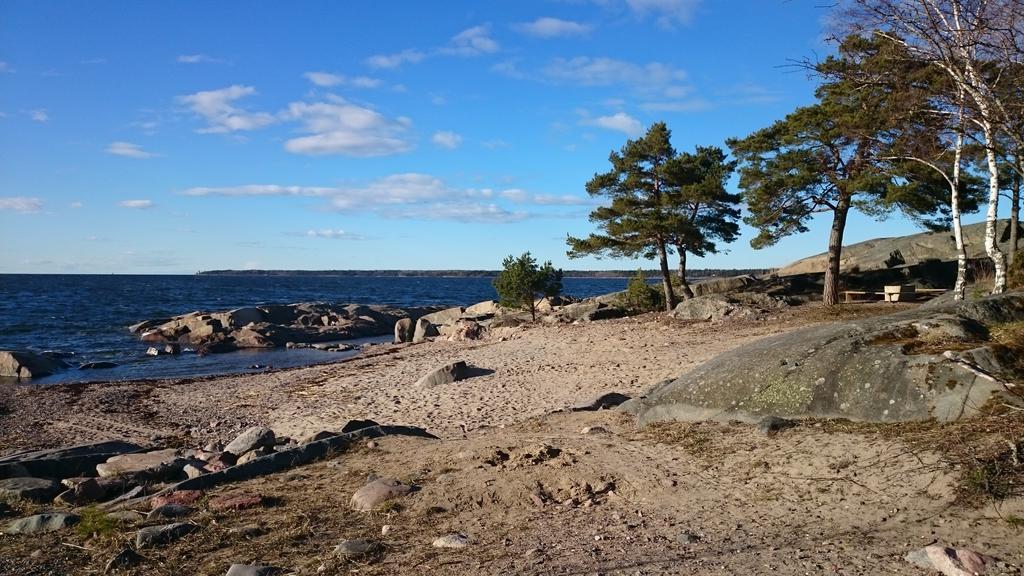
538,369
536,489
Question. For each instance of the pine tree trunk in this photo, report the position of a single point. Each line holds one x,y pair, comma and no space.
687,291
666,278
830,297
1015,211
992,214
954,204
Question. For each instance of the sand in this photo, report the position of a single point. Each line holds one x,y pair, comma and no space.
531,490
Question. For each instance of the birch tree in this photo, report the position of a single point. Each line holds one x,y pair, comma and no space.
961,37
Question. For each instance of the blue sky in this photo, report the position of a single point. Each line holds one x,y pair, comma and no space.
145,137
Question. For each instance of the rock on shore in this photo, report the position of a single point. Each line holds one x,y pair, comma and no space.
274,325
24,364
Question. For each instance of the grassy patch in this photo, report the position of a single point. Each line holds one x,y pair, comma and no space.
95,523
697,438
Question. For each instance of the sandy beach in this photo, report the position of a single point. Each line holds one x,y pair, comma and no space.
535,490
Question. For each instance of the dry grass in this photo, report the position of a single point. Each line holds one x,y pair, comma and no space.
986,449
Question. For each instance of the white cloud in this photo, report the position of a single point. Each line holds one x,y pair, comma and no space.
395,60
94,61
39,115
5,67
547,27
494,144
685,105
327,79
324,78
128,150
344,128
76,205
523,197
261,190
136,204
609,71
411,196
218,109
620,122
334,234
21,204
462,212
666,12
198,59
472,42
447,139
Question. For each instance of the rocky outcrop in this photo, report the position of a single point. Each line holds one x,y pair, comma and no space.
929,362
25,364
274,325
887,253
719,306
721,285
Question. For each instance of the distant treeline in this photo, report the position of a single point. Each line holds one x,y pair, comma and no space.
693,273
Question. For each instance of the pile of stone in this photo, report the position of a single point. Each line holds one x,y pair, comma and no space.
482,320
157,490
273,326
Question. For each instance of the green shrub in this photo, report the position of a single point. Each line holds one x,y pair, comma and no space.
522,281
640,296
95,523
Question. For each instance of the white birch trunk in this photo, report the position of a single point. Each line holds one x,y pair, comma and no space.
954,204
992,214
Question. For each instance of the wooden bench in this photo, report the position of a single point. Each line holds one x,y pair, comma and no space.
895,293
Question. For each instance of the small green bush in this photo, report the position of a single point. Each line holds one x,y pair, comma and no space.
95,523
640,296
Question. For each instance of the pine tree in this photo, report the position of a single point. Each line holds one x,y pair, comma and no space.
830,157
635,222
701,211
660,202
521,282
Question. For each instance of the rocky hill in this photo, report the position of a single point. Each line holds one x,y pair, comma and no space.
888,253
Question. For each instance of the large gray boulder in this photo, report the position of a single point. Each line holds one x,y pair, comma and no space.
64,462
156,465
36,489
881,369
721,285
24,364
251,439
446,374
50,522
424,329
404,330
379,491
485,308
446,316
720,306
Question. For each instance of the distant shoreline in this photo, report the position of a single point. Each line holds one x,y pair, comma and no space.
692,274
